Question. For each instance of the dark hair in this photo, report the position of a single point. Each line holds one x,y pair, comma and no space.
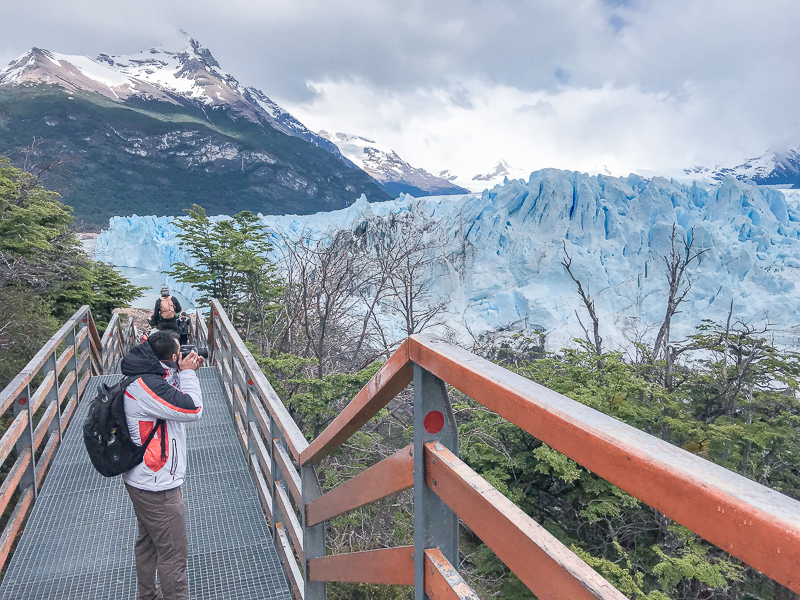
164,344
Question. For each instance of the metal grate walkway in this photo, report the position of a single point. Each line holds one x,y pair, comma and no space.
78,543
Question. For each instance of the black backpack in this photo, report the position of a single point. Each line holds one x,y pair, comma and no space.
106,435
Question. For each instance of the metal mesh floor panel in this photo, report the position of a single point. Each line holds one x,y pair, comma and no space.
78,542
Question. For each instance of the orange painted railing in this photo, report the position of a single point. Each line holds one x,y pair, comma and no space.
759,526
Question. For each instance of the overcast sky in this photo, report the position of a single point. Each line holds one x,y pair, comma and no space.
622,85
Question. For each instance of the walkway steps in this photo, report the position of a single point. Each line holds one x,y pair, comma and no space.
78,543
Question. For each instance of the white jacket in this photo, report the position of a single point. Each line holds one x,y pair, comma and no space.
161,392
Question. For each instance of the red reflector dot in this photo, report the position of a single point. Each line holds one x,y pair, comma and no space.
84,320
249,382
23,401
434,421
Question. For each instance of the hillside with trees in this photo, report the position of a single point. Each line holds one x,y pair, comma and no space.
45,275
148,157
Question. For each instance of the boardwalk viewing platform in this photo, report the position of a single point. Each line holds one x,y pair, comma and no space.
79,540
255,511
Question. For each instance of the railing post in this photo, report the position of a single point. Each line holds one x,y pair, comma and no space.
51,365
314,536
211,334
85,345
435,525
21,404
250,395
275,437
72,365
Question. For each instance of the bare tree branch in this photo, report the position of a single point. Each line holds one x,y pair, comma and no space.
588,303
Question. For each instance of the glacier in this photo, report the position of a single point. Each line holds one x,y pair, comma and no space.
500,264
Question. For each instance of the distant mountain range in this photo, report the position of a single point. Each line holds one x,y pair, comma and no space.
497,175
155,132
392,172
771,168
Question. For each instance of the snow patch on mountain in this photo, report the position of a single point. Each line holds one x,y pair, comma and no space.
75,73
385,166
771,168
501,262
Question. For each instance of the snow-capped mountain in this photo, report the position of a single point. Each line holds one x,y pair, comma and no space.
160,130
497,175
502,250
385,166
189,75
500,170
771,168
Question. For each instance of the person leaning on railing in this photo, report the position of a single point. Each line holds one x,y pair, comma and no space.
167,389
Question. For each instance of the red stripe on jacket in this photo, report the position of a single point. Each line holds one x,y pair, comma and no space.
164,402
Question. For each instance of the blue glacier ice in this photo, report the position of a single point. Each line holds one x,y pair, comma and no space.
501,265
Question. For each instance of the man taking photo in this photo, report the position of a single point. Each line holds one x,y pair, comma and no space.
165,395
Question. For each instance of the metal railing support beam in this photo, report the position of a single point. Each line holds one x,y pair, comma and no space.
51,366
435,524
313,535
25,441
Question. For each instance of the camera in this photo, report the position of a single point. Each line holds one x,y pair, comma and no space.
186,350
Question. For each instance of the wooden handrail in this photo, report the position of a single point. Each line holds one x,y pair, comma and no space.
288,471
543,563
391,475
442,581
112,326
393,566
293,572
269,437
391,379
29,371
752,522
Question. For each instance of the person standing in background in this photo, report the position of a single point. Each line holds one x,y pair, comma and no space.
167,309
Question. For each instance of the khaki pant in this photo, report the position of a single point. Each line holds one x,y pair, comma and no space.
162,545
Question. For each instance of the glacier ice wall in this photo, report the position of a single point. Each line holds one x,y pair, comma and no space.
503,249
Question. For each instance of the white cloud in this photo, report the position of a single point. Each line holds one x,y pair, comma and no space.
619,129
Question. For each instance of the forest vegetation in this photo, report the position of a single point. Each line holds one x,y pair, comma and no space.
45,275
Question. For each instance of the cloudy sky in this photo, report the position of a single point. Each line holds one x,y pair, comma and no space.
593,85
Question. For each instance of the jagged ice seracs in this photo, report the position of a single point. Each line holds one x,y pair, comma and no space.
500,263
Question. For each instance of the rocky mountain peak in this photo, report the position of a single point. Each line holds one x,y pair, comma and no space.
202,53
501,169
26,66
